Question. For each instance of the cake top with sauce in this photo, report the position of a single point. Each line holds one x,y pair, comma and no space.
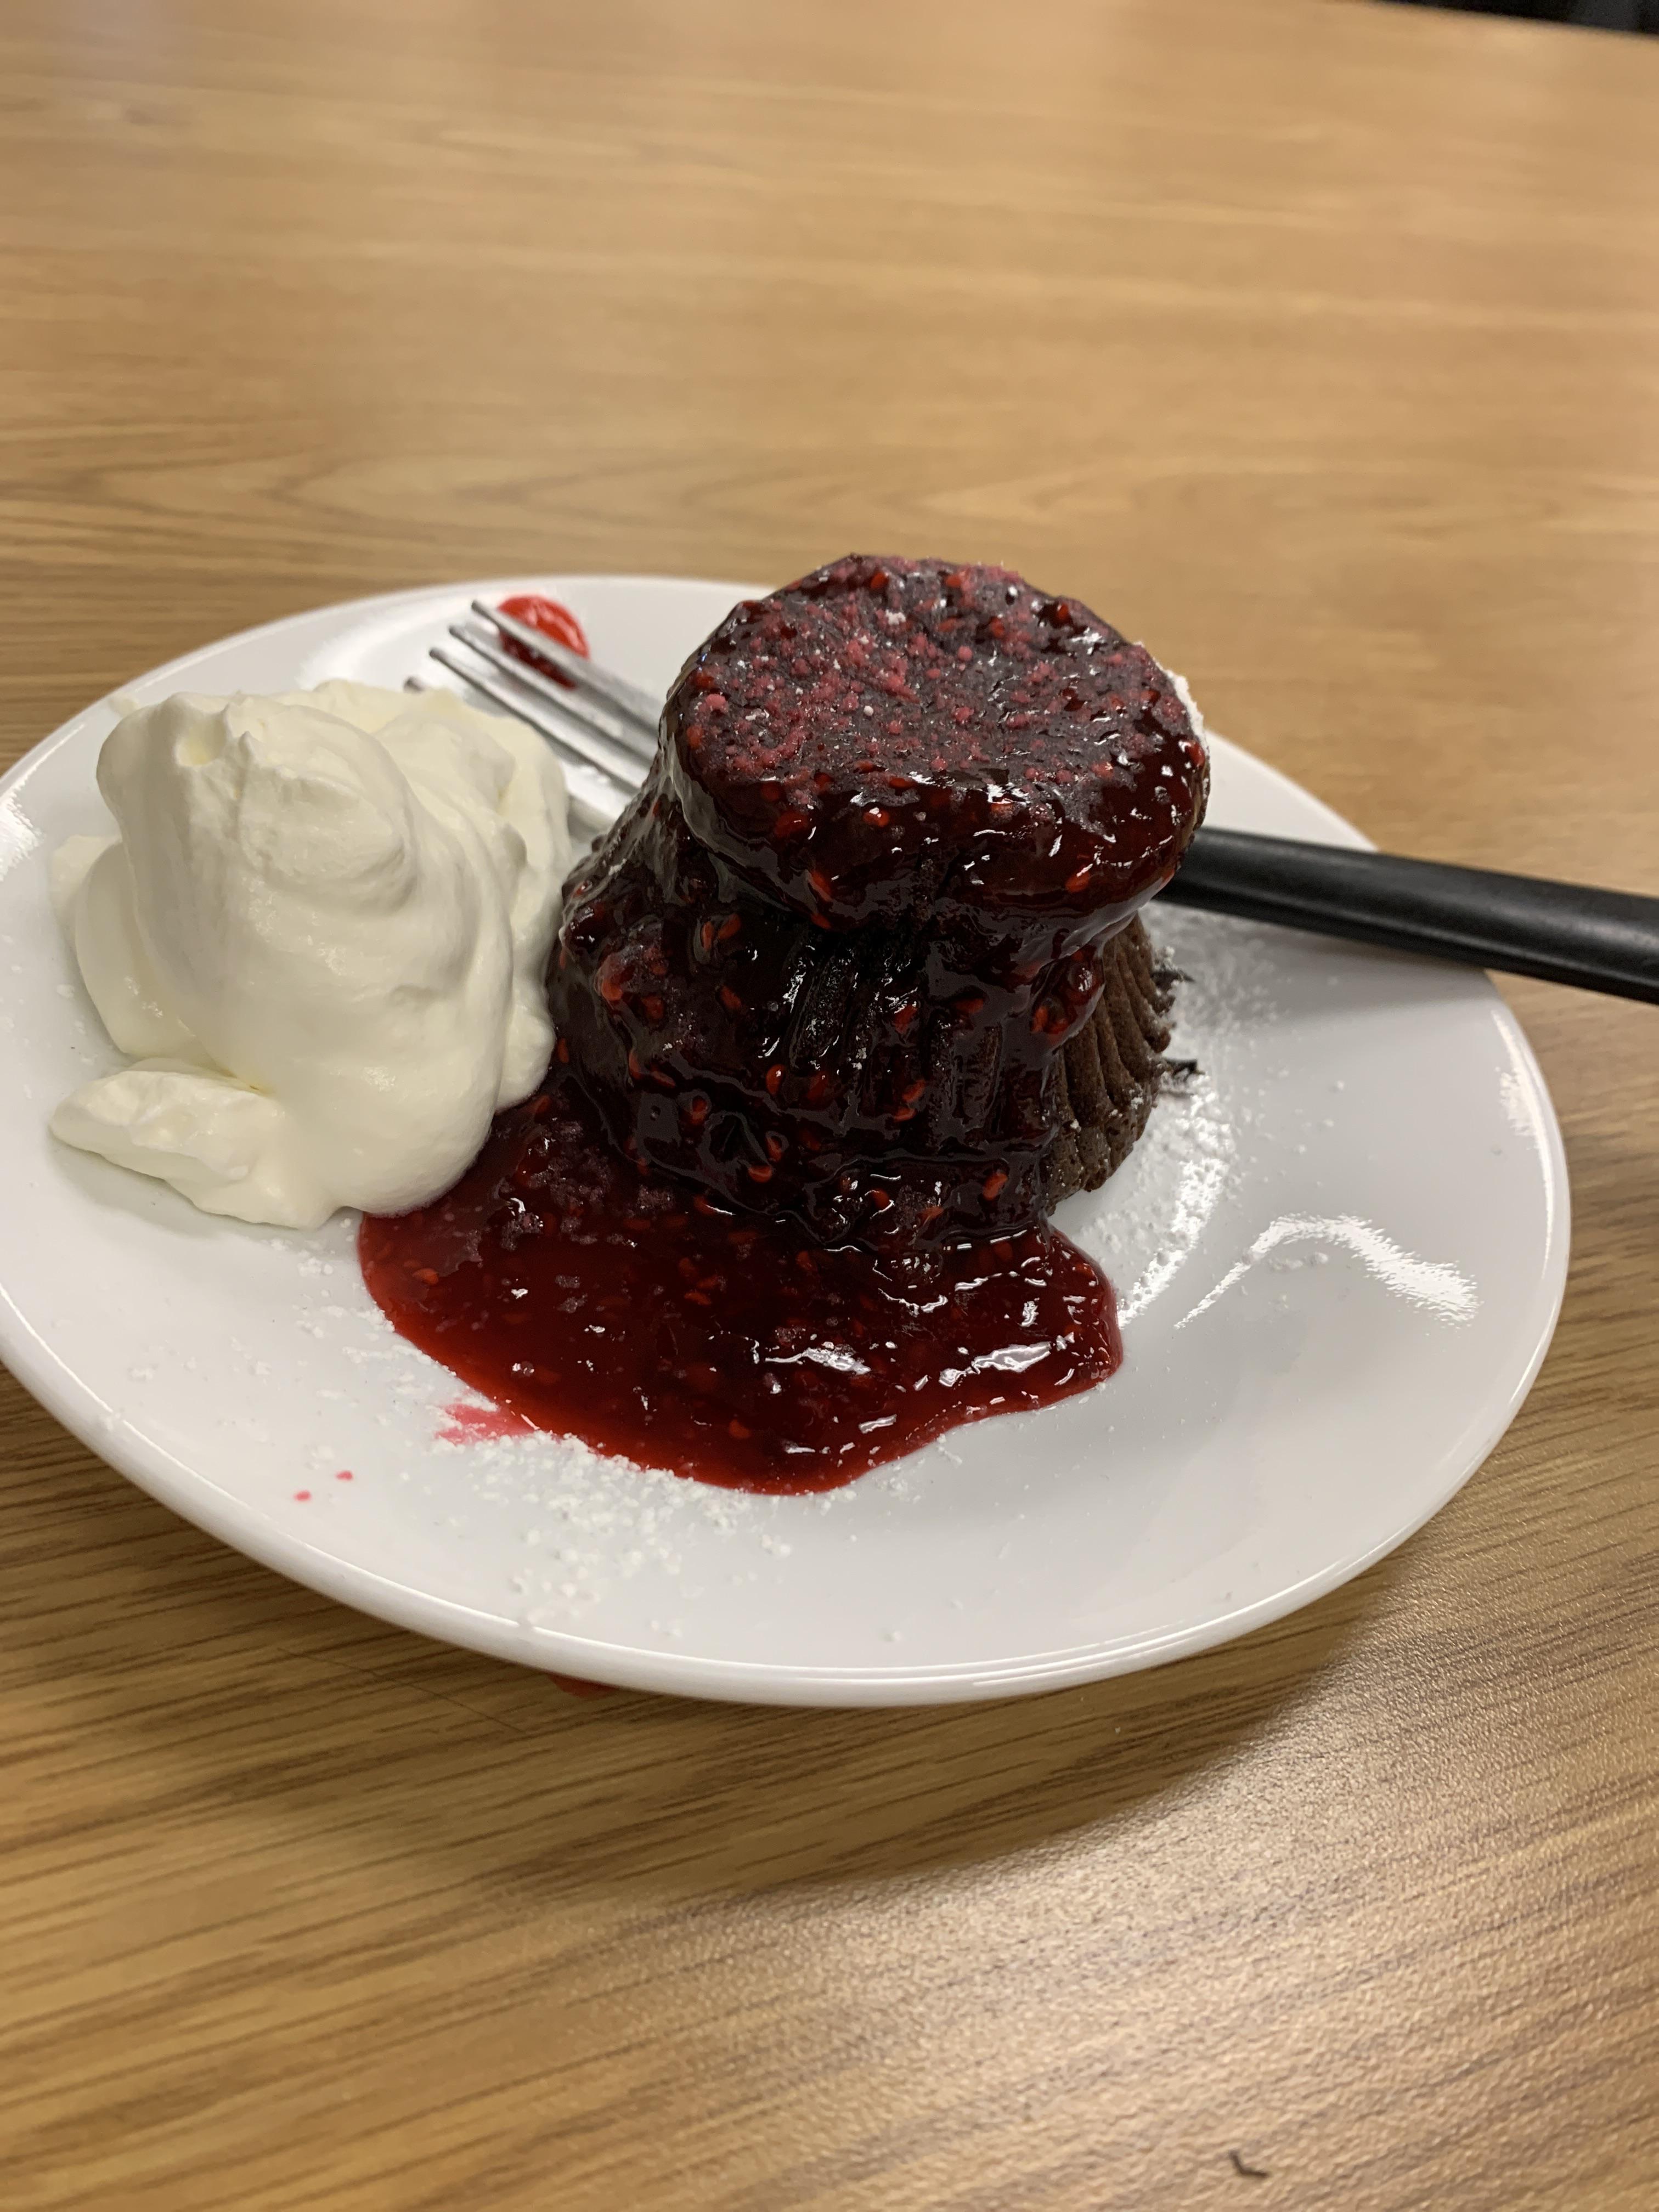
886,740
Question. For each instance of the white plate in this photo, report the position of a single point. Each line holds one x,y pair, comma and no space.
1338,1260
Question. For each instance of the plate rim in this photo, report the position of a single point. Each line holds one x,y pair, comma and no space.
196,1499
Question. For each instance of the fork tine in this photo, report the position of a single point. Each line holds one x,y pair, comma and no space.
611,725
573,740
601,810
626,698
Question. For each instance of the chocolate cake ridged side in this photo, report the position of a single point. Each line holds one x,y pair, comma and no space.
1110,1070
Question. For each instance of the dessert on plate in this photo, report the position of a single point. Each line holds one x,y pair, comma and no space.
851,996
865,949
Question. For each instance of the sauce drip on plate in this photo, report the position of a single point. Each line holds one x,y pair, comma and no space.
596,1301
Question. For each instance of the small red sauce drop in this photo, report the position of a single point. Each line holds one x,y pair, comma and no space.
585,1299
579,1687
302,1496
477,1425
345,1476
553,620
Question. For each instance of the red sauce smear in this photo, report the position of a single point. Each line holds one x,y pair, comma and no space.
595,1301
478,1425
553,620
578,1686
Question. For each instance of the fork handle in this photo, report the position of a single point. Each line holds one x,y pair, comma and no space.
1578,933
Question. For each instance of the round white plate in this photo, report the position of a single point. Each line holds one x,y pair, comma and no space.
1338,1257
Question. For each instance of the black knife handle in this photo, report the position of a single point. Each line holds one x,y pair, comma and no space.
1601,940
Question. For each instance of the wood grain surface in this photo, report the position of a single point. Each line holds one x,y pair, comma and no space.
1317,344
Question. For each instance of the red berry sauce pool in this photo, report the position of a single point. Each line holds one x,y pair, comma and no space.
598,1302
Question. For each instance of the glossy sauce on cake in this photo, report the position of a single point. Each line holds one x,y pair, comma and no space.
882,873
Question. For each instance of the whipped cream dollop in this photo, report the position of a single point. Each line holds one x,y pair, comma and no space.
320,935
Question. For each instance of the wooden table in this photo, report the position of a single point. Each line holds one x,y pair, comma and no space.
1318,344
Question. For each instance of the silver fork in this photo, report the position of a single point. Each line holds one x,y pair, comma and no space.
599,721
1578,933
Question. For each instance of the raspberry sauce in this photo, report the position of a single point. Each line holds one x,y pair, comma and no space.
596,1301
553,620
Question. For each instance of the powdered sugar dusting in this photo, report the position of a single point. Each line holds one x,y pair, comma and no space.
1144,1225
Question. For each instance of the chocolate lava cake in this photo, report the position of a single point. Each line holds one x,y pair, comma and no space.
865,950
